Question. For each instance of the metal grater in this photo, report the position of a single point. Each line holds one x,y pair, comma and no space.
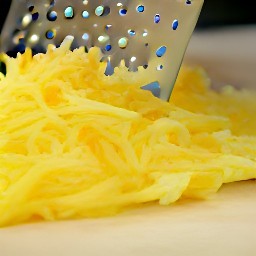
148,33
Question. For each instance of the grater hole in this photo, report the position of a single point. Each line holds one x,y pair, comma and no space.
101,11
108,47
109,69
123,12
50,34
69,12
103,39
106,11
85,2
160,67
26,20
161,51
52,16
108,27
188,2
85,14
131,32
175,24
123,42
34,38
35,16
145,66
31,8
52,3
85,36
2,68
145,33
86,49
133,59
18,36
157,18
19,48
140,8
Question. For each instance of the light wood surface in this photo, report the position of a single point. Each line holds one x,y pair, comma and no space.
225,225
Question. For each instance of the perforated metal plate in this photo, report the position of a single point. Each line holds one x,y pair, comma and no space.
148,33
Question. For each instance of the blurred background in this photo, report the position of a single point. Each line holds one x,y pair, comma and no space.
215,13
224,43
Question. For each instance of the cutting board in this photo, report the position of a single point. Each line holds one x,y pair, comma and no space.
224,225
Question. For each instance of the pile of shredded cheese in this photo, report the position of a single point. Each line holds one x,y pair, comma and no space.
75,143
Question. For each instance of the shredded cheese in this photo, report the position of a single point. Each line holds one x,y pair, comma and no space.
75,143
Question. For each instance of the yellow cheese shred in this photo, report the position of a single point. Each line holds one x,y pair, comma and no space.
75,143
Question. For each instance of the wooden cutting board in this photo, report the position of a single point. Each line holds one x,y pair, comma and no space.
224,225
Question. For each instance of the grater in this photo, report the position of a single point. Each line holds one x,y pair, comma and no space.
142,33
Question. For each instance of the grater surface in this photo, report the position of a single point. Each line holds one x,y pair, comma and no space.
144,33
